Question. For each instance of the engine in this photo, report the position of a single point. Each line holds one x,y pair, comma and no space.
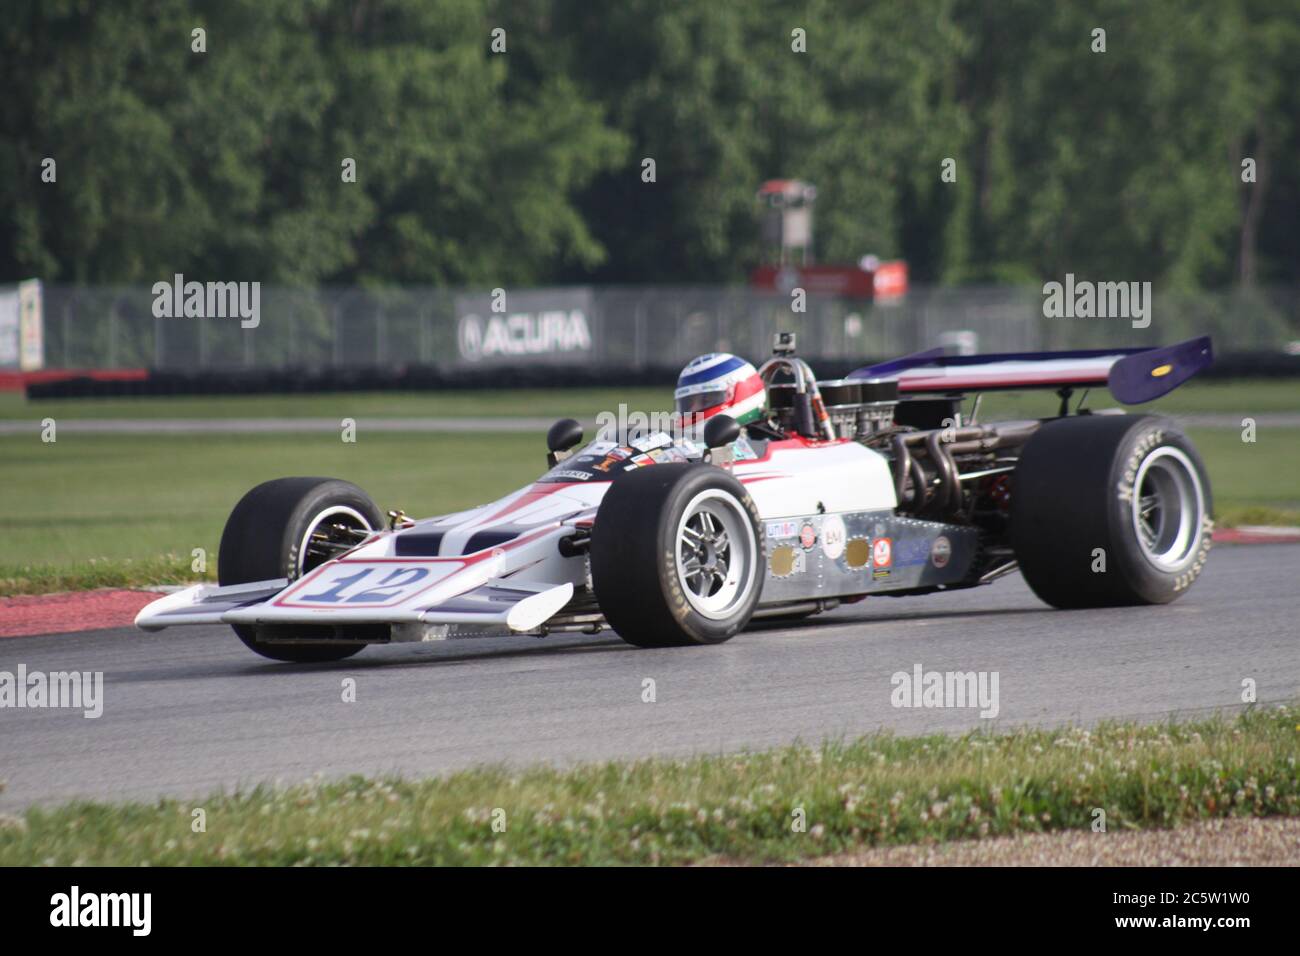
857,409
955,473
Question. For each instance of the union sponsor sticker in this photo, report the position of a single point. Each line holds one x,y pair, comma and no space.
882,553
782,529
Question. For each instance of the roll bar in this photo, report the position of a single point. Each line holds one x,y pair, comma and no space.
810,415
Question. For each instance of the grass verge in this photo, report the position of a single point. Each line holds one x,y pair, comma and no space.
581,403
135,498
1247,396
879,790
18,580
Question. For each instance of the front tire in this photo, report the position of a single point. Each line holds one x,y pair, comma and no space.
283,529
1110,510
676,556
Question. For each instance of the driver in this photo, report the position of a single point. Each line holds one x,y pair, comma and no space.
716,384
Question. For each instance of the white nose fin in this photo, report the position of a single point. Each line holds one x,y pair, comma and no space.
538,609
521,607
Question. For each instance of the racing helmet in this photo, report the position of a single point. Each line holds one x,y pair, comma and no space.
719,384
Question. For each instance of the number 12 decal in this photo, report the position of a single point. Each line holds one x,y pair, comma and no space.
391,586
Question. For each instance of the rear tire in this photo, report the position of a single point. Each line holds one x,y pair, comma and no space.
268,535
1124,493
676,556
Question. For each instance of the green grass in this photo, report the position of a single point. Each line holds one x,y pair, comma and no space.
102,572
1252,396
138,497
878,790
581,403
1240,397
1254,482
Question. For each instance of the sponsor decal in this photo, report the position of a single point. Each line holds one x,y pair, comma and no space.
941,552
880,574
910,553
807,537
657,440
787,560
782,529
882,553
571,475
833,537
661,456
742,450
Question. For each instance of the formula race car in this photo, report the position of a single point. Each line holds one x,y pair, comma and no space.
766,494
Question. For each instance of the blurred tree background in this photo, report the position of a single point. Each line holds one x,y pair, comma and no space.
483,168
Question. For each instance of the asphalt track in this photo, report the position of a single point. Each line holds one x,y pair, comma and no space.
189,711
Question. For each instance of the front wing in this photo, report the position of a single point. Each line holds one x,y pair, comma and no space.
375,591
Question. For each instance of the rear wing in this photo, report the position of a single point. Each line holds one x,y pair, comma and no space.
1134,376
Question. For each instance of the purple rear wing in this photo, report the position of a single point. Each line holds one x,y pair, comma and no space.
1134,376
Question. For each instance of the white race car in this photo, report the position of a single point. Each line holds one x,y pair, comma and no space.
871,485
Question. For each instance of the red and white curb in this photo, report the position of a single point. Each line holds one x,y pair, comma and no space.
71,611
1258,534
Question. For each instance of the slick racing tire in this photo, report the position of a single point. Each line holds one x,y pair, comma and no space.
1110,510
275,532
676,556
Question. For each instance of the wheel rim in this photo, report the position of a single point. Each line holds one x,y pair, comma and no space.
330,533
715,547
1168,509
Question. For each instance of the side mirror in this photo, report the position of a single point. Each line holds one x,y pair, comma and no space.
720,430
560,437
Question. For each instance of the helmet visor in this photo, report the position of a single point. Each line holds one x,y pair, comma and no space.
700,401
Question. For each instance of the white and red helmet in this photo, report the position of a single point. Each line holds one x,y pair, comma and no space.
720,384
